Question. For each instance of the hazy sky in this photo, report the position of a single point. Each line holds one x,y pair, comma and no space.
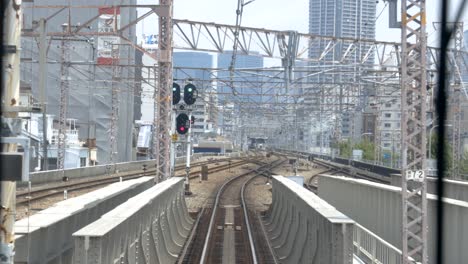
282,15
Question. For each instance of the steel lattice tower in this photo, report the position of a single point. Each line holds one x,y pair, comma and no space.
115,103
413,130
456,94
64,92
161,134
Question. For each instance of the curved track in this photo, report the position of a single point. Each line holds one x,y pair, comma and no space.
229,237
25,197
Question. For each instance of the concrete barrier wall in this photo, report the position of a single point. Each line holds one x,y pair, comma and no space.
149,228
303,228
56,175
46,237
454,189
378,208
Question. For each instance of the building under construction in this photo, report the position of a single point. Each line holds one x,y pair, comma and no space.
88,79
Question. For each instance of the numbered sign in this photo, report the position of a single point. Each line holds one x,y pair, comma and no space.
418,175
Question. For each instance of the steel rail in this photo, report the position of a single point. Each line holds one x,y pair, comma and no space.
215,207
247,222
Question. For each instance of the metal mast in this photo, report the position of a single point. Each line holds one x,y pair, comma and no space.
11,31
64,91
115,103
413,130
161,135
456,94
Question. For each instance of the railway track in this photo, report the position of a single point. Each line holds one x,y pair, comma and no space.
229,237
311,183
25,197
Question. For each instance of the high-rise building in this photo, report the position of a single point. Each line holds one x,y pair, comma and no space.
244,83
90,79
342,18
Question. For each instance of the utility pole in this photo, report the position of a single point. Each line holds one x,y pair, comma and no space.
42,88
64,91
10,85
456,94
162,121
413,129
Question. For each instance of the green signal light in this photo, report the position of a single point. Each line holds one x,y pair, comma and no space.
190,89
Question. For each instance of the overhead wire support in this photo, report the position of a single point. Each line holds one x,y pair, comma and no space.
161,134
64,93
115,102
239,12
413,131
10,32
456,100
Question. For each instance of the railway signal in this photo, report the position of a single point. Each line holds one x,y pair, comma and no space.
182,124
190,94
175,93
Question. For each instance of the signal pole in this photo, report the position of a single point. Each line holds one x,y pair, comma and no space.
189,152
173,141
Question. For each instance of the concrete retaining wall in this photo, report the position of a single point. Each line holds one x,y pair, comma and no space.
378,208
149,228
46,237
303,228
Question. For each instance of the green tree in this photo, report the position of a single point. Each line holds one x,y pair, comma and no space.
345,148
367,147
463,163
447,154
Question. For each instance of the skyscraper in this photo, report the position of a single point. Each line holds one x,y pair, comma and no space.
348,19
342,18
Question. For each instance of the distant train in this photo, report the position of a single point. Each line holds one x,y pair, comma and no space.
213,147
257,143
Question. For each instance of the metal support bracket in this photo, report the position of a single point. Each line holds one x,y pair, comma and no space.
25,143
393,14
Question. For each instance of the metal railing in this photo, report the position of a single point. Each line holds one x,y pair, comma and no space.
372,249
